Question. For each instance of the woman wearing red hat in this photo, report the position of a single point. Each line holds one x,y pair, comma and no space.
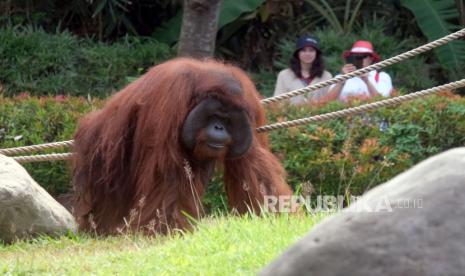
306,67
370,85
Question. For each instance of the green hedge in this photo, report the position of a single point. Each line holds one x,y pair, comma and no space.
26,120
350,155
41,63
343,156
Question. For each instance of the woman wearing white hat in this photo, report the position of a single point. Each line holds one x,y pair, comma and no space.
306,67
372,84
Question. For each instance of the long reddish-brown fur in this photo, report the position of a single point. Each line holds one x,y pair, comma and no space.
131,150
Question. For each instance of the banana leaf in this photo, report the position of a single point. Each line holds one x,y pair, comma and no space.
434,19
230,10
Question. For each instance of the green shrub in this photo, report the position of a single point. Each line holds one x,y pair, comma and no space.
338,157
49,64
350,155
265,81
26,120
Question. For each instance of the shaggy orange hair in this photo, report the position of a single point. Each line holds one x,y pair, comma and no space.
131,150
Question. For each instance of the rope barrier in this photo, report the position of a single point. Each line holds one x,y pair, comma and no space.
12,151
311,88
367,69
312,119
43,157
362,108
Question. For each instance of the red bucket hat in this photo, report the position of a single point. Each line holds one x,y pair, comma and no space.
362,47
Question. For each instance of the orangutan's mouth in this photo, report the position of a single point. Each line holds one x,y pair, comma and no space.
216,146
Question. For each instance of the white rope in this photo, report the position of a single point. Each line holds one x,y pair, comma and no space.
311,88
18,150
312,119
43,157
362,108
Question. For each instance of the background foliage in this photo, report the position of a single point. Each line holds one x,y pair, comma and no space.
27,120
338,157
353,154
436,19
41,63
249,29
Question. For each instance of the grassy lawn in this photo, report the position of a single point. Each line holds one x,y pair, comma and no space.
221,245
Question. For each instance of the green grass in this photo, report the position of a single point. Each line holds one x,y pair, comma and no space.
220,245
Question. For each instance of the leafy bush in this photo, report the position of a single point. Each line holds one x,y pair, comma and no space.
343,156
265,81
350,155
49,64
26,120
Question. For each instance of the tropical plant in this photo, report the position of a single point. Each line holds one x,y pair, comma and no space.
112,14
229,11
438,18
103,19
329,12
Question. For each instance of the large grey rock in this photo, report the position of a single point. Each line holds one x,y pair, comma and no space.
425,238
26,209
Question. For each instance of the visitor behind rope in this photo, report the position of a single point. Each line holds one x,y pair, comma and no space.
306,67
369,85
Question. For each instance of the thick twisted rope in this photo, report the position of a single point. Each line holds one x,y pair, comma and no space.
43,157
364,70
18,150
311,88
312,119
362,108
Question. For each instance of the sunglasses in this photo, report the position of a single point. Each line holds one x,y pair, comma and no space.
359,56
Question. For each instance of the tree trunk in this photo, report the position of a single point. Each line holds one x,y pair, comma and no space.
199,27
461,8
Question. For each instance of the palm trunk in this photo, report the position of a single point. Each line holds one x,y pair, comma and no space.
199,27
